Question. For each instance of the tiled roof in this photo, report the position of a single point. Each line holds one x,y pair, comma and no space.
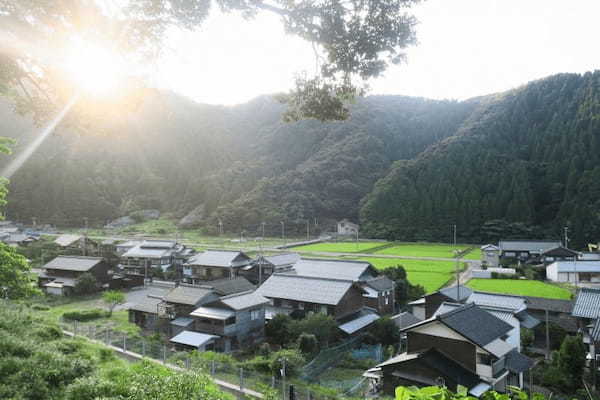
241,301
595,332
67,240
220,258
188,295
230,286
283,259
73,263
461,294
528,245
554,305
380,283
515,303
404,320
147,305
334,269
476,324
517,362
307,289
587,303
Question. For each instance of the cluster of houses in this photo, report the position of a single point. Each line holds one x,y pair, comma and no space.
221,300
14,234
560,263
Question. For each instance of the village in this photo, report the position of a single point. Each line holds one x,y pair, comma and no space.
237,302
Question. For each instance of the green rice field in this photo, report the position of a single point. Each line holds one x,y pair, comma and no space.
520,287
340,247
428,250
432,275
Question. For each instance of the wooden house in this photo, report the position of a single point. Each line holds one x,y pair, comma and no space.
60,275
215,264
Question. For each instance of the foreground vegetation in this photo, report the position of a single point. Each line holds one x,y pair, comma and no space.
38,362
520,287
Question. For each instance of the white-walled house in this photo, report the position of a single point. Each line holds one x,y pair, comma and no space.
574,271
345,227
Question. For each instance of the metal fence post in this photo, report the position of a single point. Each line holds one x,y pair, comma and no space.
164,353
241,379
106,334
143,348
212,367
124,343
273,383
74,329
187,363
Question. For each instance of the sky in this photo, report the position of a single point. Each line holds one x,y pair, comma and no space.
466,48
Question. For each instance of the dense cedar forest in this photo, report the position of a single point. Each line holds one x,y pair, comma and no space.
518,164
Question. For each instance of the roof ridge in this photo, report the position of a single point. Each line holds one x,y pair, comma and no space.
222,251
499,294
286,274
459,309
229,296
84,257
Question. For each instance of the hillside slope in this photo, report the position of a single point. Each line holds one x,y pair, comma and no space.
525,163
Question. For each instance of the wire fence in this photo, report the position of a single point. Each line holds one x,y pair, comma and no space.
230,374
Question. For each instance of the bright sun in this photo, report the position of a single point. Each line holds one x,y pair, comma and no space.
93,69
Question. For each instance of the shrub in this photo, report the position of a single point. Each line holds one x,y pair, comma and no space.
308,344
278,329
49,332
105,354
84,315
293,362
259,364
86,283
526,337
264,350
40,307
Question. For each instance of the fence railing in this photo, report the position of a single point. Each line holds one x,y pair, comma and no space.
230,374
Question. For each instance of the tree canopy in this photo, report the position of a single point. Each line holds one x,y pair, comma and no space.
353,40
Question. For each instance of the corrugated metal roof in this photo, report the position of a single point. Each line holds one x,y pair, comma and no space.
194,339
139,251
334,269
595,332
404,320
212,313
187,295
241,301
533,246
302,288
220,258
587,303
357,324
182,322
579,266
67,240
73,263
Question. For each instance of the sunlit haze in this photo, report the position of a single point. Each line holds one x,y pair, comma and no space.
467,48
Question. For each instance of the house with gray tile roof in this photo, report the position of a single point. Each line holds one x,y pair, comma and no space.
461,345
60,275
215,264
351,270
587,312
523,250
238,320
294,293
264,266
141,258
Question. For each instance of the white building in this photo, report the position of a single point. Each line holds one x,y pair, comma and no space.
345,227
574,271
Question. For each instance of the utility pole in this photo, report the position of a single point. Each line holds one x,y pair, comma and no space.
85,221
283,378
547,336
220,227
307,230
34,220
263,230
454,235
456,254
282,231
566,234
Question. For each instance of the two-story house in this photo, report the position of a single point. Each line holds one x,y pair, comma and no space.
77,245
298,294
378,291
265,266
141,258
462,345
586,310
215,264
238,320
60,275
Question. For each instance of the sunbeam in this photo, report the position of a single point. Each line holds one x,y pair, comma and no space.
18,162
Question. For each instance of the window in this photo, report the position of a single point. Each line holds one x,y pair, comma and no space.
254,315
485,359
510,254
387,301
300,305
230,321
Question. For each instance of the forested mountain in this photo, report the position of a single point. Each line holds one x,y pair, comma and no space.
525,163
241,163
518,164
